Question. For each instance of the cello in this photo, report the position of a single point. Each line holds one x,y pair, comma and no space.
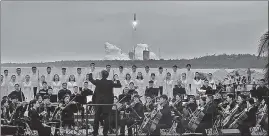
197,116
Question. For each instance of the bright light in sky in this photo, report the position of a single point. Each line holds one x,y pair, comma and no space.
134,23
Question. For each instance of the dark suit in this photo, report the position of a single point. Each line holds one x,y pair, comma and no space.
35,123
103,94
165,121
249,122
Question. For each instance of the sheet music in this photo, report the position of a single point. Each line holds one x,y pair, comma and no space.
89,98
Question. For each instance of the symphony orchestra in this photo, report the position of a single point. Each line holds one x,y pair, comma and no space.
146,103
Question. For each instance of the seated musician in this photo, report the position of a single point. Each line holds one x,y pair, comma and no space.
177,107
5,114
44,90
125,97
165,121
78,98
35,123
86,91
261,91
150,91
251,118
148,107
179,89
131,87
47,107
209,115
229,105
136,115
191,105
66,112
63,91
242,102
207,88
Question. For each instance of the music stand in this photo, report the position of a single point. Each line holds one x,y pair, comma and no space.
53,98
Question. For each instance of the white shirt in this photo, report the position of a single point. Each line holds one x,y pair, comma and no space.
212,84
80,79
140,87
175,76
4,91
64,78
160,79
20,79
110,76
70,86
133,75
34,79
11,86
146,78
49,78
126,83
189,77
95,74
196,85
56,86
121,76
168,88
27,91
6,79
155,84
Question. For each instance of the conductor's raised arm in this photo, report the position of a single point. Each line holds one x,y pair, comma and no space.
91,79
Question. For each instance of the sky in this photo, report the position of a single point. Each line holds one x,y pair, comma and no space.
77,30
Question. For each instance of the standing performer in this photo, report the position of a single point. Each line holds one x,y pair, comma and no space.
103,94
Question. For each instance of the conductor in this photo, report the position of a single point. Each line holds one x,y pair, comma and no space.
103,94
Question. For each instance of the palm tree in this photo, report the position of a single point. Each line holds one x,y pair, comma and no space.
264,50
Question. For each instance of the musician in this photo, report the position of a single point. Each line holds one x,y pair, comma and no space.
261,91
166,119
103,94
150,91
66,112
242,102
18,93
136,114
86,91
35,123
230,103
47,107
209,90
179,89
44,90
251,118
63,91
148,107
78,98
17,110
191,105
131,88
209,115
5,114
